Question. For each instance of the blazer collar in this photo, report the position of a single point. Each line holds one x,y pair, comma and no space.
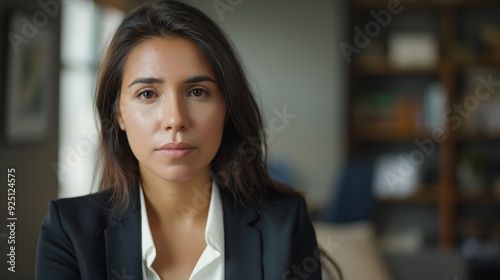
123,242
243,243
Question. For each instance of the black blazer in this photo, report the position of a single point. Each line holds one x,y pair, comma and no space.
83,238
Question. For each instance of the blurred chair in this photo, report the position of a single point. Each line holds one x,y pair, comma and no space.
352,199
281,172
344,229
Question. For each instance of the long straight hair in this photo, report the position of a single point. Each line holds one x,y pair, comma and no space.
240,163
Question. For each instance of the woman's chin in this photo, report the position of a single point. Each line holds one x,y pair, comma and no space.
179,175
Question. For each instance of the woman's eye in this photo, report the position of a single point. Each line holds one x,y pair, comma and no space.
198,92
147,94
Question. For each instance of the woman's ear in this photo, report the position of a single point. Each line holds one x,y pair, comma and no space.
119,119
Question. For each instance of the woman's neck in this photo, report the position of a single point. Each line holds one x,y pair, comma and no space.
180,203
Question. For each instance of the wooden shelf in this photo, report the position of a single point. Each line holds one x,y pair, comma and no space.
484,197
479,62
376,4
380,66
388,136
479,137
424,195
425,4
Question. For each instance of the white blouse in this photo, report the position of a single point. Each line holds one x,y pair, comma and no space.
210,265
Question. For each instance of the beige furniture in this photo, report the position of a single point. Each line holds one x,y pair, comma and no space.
352,247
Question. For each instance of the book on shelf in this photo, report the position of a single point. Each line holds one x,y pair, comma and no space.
413,50
386,112
435,104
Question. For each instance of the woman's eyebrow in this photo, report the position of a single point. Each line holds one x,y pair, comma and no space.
190,80
197,79
146,81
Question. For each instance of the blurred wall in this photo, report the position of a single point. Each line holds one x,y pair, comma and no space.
36,181
290,49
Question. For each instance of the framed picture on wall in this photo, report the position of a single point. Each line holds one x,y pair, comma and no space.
28,76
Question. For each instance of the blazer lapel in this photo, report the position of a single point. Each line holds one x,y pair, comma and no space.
123,242
242,241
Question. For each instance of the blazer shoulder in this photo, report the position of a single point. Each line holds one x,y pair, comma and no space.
280,205
285,201
271,201
99,202
83,212
71,240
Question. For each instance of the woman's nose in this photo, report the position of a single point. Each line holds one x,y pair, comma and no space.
174,113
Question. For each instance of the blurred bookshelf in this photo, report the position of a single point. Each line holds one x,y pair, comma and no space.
425,81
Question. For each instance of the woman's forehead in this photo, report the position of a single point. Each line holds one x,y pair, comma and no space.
168,58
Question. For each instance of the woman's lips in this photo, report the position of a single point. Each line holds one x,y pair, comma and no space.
176,150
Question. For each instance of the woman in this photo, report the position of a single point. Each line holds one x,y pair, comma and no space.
184,193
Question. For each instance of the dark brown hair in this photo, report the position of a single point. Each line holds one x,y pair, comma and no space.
240,161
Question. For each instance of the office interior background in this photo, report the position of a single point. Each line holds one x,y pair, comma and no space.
384,113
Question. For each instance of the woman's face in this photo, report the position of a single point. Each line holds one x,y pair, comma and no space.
171,109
